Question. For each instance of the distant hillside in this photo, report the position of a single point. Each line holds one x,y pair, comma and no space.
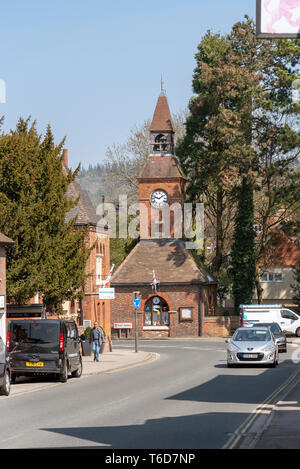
97,181
94,183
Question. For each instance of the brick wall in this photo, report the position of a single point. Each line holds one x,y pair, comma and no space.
220,326
176,296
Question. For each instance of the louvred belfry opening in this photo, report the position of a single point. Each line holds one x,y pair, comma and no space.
162,129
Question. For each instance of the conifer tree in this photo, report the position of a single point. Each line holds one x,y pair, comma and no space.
243,248
243,122
49,257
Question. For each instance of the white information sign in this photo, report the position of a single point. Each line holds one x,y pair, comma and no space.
106,293
122,325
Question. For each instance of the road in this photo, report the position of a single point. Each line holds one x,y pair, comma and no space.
186,399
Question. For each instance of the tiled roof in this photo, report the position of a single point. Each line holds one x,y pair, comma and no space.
160,166
162,120
84,210
283,251
170,260
5,241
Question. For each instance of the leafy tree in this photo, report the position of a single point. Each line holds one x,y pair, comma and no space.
125,160
49,257
243,123
213,150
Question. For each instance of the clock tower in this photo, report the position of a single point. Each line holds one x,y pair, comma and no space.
161,183
176,292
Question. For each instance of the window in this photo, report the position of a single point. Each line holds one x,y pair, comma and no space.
270,277
99,269
156,312
286,314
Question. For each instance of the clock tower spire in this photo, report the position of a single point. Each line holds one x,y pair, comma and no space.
161,128
161,183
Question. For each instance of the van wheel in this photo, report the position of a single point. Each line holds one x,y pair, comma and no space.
63,377
78,372
298,332
5,389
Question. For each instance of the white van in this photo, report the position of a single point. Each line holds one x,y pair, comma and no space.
287,319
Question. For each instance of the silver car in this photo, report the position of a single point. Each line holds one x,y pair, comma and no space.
250,346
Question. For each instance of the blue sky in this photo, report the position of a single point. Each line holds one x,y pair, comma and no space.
92,68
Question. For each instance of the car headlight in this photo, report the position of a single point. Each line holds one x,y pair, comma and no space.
233,348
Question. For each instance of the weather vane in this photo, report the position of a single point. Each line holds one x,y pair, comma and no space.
162,89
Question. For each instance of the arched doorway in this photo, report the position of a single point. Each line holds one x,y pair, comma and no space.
156,312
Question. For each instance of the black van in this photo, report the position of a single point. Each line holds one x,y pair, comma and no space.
44,346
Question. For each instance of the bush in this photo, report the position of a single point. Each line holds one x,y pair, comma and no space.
87,332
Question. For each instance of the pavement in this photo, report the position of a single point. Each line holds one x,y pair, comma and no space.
110,362
118,359
275,424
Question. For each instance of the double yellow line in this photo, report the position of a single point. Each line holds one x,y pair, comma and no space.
265,408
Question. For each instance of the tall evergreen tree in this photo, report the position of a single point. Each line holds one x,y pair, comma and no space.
242,122
243,249
49,257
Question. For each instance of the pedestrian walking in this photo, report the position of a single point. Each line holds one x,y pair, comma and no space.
97,339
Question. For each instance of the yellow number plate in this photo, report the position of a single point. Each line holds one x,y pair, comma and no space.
34,363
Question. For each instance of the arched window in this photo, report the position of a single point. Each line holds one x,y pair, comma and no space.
156,312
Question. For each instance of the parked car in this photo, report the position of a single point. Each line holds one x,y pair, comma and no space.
252,346
4,370
280,337
44,346
287,319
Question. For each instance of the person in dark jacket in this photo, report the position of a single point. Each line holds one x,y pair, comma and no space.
97,339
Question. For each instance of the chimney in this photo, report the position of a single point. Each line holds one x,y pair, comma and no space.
65,157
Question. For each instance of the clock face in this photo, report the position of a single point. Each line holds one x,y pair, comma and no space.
159,198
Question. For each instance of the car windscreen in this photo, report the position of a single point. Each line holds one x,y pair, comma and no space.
35,332
252,335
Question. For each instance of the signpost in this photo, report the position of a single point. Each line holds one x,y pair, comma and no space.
136,304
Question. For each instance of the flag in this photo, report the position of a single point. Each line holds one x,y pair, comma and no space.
109,276
155,282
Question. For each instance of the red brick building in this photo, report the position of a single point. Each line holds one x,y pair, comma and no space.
91,308
186,292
